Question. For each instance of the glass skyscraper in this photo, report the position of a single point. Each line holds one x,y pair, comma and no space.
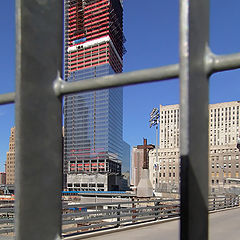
93,120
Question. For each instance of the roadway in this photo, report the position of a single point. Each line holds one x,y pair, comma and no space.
222,225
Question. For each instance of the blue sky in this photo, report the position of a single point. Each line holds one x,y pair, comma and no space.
151,30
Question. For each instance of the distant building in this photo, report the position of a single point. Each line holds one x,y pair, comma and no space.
224,157
169,129
224,131
93,120
164,171
126,157
125,181
10,162
2,178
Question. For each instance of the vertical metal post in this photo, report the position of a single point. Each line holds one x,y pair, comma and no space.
38,120
157,163
118,214
157,209
194,28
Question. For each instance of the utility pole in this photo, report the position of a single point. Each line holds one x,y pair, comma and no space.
154,121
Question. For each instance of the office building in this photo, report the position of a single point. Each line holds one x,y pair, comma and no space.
223,135
169,130
224,132
126,157
93,139
164,170
10,161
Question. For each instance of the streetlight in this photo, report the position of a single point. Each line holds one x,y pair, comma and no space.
238,144
223,177
154,121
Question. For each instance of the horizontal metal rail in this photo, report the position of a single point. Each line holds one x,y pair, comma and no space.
7,98
80,205
219,63
122,213
118,214
6,210
117,80
113,211
7,230
4,220
114,223
214,63
133,214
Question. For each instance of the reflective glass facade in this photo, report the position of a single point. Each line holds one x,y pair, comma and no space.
93,120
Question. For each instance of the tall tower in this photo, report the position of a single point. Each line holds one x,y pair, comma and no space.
93,139
10,161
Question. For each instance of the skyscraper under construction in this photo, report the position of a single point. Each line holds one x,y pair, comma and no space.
93,138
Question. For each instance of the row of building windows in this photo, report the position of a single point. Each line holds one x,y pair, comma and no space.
165,174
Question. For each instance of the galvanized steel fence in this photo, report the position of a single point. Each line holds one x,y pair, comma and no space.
84,218
38,100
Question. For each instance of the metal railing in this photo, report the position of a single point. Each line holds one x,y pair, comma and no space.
84,218
38,100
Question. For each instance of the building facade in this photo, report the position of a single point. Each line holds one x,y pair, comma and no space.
224,132
224,160
136,166
2,178
169,130
10,161
126,157
93,138
164,169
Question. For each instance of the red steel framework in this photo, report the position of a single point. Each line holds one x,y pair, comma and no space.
93,34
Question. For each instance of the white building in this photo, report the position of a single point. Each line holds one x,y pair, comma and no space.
223,153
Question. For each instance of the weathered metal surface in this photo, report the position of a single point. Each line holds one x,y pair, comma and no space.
38,120
194,28
7,98
123,79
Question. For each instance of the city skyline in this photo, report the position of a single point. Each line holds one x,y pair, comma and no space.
148,45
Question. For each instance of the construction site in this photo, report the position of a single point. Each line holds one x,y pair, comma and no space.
94,34
94,47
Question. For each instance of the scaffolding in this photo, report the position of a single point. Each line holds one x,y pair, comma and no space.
93,37
86,21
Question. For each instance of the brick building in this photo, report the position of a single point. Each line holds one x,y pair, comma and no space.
10,161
